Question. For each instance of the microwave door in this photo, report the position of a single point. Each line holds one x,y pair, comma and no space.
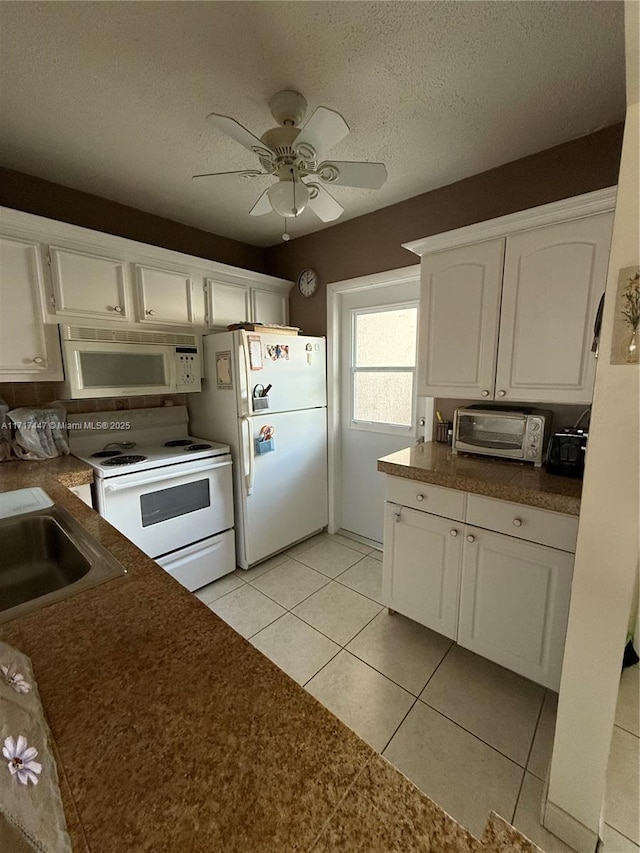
96,369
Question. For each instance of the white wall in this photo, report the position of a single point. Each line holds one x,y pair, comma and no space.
607,549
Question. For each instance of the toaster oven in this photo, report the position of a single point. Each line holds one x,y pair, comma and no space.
504,431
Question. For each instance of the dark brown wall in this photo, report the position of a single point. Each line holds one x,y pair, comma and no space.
372,243
43,198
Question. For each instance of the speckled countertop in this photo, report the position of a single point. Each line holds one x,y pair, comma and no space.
172,733
520,482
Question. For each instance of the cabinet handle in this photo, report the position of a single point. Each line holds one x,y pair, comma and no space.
150,312
502,393
419,497
453,532
517,522
484,393
471,538
38,360
116,308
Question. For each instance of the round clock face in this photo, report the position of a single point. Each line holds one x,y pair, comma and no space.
308,282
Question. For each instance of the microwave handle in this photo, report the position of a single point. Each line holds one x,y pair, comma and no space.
119,487
597,327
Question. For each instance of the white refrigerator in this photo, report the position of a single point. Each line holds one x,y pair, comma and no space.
264,395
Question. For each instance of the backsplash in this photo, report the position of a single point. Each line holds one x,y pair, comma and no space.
40,393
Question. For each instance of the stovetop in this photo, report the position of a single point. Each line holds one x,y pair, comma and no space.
145,455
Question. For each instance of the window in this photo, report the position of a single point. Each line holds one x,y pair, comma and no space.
383,368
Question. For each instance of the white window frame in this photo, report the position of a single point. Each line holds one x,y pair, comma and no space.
378,426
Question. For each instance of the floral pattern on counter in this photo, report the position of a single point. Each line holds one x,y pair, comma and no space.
14,679
20,760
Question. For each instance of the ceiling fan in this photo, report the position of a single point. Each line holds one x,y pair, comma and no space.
294,155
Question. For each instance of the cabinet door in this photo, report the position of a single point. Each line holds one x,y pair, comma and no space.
553,280
459,312
164,296
514,603
88,285
421,567
29,349
228,303
269,307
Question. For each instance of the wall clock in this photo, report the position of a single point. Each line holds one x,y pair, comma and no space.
308,281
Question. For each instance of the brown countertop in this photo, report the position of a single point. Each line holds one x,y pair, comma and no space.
173,733
520,482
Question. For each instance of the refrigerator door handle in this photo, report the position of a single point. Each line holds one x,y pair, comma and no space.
248,476
244,354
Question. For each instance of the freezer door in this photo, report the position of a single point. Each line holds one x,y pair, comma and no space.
293,365
288,498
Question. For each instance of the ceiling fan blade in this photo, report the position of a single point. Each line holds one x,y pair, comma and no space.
324,129
244,173
262,206
349,174
236,131
323,204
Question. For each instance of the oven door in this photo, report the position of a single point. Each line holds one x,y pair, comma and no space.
167,508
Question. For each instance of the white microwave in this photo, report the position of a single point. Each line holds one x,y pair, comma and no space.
118,362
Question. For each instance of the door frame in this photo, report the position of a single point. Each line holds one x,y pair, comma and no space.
335,291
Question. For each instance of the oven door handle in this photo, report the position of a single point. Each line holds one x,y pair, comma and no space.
120,487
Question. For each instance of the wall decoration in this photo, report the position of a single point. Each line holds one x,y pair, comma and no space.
224,377
625,346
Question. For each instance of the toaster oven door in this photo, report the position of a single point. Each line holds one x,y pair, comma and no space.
492,433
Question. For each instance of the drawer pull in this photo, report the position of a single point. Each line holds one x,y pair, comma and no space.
517,522
484,393
501,393
419,497
471,538
454,532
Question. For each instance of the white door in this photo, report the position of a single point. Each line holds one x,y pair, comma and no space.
460,302
164,296
29,349
514,603
378,405
284,493
553,280
421,569
89,286
228,303
269,307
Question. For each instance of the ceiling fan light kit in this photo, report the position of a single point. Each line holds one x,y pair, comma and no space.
292,153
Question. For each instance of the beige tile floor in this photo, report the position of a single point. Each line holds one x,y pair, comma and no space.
472,735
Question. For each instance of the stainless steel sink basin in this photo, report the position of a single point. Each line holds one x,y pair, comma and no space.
46,556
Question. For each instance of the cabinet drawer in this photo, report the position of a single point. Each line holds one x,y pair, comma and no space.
449,503
524,522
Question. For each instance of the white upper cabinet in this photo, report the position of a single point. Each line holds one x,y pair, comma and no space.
230,302
554,278
511,318
459,314
164,297
269,307
89,286
29,349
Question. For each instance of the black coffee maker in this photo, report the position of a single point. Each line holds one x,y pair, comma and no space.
566,453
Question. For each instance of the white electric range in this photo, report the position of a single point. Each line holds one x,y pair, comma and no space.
170,493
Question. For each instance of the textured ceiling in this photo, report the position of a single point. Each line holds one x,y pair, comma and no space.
112,97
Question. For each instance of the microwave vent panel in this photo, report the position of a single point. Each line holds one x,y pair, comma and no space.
125,336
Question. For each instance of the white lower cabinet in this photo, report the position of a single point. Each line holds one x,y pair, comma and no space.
514,603
504,597
421,573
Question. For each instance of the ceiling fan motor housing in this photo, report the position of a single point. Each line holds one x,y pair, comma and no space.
288,107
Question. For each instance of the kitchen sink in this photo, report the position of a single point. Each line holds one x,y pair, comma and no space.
46,556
